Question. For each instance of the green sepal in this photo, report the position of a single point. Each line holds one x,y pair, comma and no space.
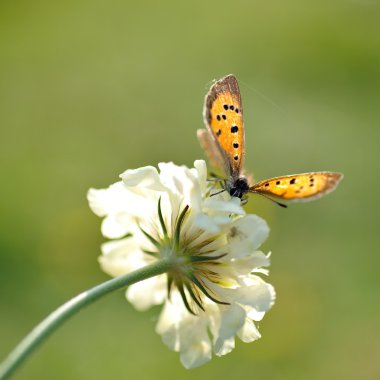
178,226
151,238
194,297
205,292
184,298
161,218
199,259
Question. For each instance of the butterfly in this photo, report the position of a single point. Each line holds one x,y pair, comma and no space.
223,142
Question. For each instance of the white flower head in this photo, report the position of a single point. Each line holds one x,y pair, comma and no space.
214,291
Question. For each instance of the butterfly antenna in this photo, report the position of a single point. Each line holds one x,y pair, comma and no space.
271,199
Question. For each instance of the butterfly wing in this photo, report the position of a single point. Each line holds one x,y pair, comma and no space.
223,115
214,155
298,187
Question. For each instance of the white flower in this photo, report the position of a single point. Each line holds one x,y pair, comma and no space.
214,292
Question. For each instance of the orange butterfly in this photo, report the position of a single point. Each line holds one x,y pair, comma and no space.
223,141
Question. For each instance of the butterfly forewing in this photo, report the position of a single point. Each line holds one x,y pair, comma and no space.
306,186
223,115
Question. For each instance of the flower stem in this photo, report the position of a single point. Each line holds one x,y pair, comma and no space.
65,311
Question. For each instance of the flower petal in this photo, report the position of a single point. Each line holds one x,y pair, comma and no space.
246,234
258,295
216,204
246,265
116,225
199,352
201,173
209,223
249,333
185,333
122,256
106,201
145,177
147,293
232,319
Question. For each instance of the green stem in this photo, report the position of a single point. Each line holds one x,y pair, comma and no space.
65,311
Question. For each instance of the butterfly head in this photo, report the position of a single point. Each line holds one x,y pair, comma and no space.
238,187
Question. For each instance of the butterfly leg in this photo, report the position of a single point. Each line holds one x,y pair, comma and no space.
218,192
217,181
221,182
215,176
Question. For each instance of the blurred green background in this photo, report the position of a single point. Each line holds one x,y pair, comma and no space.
91,88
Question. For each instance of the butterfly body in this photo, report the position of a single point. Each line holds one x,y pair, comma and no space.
223,141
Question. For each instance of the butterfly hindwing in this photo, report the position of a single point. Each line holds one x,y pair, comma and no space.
306,186
214,155
223,114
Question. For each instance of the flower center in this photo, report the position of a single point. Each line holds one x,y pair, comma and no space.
194,272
